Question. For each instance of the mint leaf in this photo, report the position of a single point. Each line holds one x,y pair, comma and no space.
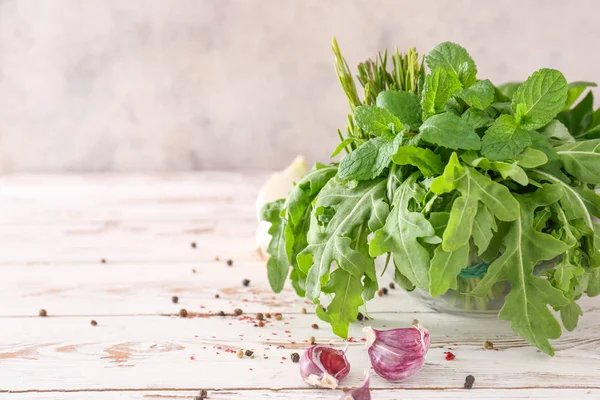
575,90
278,265
377,121
429,163
480,95
355,208
453,59
582,160
504,139
450,131
438,89
540,98
404,105
369,159
343,309
508,90
531,158
477,118
445,267
401,232
526,304
474,188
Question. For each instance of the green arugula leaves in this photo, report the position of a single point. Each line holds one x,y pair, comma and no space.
461,185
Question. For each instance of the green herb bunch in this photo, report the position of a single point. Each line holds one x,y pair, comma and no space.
443,168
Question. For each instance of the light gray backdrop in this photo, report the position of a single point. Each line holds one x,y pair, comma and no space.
159,85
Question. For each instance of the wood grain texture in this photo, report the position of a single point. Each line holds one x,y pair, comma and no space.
54,230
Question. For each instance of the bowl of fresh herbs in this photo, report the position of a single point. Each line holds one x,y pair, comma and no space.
468,190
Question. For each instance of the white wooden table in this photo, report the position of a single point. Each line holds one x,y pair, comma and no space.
55,230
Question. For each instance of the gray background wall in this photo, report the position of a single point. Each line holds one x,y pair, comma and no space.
156,85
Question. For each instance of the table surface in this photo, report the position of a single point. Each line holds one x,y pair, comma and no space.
55,230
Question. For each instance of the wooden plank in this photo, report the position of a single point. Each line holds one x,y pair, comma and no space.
140,288
55,353
382,394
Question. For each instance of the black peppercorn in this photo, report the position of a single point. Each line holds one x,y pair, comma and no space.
249,353
238,311
360,317
392,285
175,299
230,262
469,380
221,313
183,313
295,357
246,282
93,322
193,244
43,313
385,290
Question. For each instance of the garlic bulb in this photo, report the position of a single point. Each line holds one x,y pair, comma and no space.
276,187
397,354
323,366
359,393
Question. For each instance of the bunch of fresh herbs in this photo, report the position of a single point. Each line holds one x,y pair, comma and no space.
441,169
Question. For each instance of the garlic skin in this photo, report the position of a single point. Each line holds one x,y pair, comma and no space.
397,354
359,393
276,187
323,366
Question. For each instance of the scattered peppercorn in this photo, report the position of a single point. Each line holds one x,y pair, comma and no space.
278,317
246,282
183,313
261,323
221,313
175,299
360,317
488,345
415,322
217,296
193,270
103,261
469,380
238,311
268,315
193,244
380,292
93,322
449,355
303,310
43,313
217,258
392,285
240,353
260,316
315,326
295,357
249,353
385,290
311,340
203,395
230,262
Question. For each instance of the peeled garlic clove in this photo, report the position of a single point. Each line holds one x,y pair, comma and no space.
397,354
323,366
359,393
276,187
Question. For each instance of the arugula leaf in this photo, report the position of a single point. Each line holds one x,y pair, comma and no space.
343,309
531,158
369,160
377,121
454,59
445,267
513,171
526,304
429,163
570,314
504,139
479,96
575,90
542,143
557,132
277,265
401,232
305,191
474,187
438,89
404,105
477,118
450,131
484,227
580,118
582,160
540,98
355,208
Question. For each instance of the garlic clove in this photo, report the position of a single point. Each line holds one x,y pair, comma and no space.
360,393
397,354
323,366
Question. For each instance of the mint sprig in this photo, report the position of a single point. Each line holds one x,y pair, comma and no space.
444,171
